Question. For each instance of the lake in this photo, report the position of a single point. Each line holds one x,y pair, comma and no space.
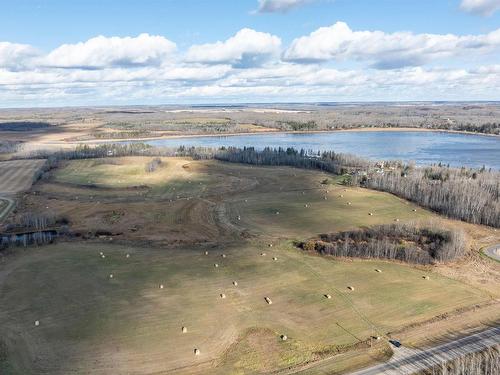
422,147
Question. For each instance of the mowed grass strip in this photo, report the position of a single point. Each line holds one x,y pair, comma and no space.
90,322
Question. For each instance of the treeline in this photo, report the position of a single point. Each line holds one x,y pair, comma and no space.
27,239
486,362
33,229
465,194
403,242
327,161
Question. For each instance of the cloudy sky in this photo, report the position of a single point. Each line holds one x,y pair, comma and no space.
101,52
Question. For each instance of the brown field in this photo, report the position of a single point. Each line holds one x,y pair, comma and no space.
17,175
166,220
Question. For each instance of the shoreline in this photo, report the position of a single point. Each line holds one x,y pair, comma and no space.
270,132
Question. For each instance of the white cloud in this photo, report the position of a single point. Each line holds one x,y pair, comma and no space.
247,48
483,7
116,70
271,6
15,56
101,52
384,50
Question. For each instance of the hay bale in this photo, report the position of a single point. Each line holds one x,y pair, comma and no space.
370,213
206,252
263,254
103,256
197,352
350,287
216,265
349,203
101,253
341,195
306,205
239,217
246,200
37,323
110,275
284,337
268,300
426,277
270,245
277,212
396,220
184,329
377,270
414,210
161,286
235,283
327,192
275,258
325,198
222,295
327,296
127,256
223,255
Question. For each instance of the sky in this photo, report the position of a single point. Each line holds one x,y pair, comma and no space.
120,52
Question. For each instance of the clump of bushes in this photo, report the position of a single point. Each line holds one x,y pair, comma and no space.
153,165
404,242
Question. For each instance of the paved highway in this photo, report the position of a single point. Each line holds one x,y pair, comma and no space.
409,361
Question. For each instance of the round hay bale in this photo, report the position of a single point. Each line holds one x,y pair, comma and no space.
103,256
235,283
396,220
184,329
161,286
277,212
303,193
101,253
349,203
341,195
37,323
222,295
239,217
350,287
325,198
426,277
110,275
246,200
275,258
327,192
306,205
370,213
216,265
206,252
284,337
327,296
197,352
270,245
268,300
377,270
414,210
127,256
263,254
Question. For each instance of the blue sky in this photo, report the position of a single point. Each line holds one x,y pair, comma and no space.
365,50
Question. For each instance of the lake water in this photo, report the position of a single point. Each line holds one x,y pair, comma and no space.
422,147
